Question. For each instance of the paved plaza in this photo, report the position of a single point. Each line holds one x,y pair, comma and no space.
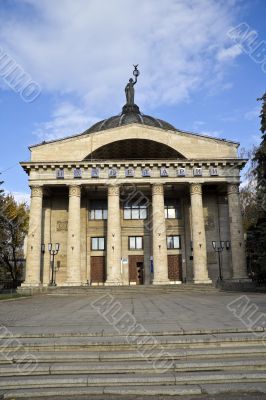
157,312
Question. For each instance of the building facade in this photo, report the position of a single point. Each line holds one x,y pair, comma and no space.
131,201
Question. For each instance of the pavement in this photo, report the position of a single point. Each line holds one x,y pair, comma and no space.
241,396
157,312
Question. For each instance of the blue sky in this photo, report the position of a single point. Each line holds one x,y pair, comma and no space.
81,53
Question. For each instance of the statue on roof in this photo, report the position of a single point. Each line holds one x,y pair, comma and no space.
129,89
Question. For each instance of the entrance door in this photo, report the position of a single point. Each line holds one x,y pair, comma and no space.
175,267
97,269
140,273
136,269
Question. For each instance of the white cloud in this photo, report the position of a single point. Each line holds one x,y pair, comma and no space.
229,53
256,139
87,48
66,120
252,114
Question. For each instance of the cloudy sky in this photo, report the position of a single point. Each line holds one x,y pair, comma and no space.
194,74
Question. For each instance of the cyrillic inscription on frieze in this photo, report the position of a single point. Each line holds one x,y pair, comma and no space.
129,172
112,173
95,172
197,171
164,171
181,172
146,172
77,173
60,173
214,171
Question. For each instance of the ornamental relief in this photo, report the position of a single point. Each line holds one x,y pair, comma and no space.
196,188
113,190
157,189
61,226
74,191
232,188
36,191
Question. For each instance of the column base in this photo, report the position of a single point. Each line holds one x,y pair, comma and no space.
113,283
203,282
31,284
241,279
71,284
166,282
234,284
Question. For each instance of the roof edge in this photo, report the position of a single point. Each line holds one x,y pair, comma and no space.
43,143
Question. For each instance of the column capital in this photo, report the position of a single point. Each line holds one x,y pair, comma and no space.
195,188
36,191
157,188
74,190
232,188
113,190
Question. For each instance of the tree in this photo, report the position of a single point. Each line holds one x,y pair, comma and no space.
248,192
256,235
13,228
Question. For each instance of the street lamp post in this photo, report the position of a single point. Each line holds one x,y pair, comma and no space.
218,247
53,250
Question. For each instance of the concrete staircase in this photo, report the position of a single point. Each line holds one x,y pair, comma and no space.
117,290
88,364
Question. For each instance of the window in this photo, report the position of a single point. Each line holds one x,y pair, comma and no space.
98,209
135,242
172,209
135,212
173,242
98,243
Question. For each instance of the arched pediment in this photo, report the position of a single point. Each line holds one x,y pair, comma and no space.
134,149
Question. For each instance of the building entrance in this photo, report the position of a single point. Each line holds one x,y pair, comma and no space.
136,270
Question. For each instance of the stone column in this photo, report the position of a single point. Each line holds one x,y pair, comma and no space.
114,276
198,235
46,240
160,262
73,237
237,233
33,259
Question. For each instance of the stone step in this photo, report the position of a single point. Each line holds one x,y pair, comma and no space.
178,390
175,354
102,380
115,343
62,393
141,366
38,332
138,289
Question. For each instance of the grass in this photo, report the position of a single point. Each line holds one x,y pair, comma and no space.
8,296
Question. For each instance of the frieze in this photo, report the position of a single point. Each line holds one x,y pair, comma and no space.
135,170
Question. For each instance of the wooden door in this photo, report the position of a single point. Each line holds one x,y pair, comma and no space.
175,267
136,269
98,269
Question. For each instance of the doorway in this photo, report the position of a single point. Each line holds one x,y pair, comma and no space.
136,270
140,273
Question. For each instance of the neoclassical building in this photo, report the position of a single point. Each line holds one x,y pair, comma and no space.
133,200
